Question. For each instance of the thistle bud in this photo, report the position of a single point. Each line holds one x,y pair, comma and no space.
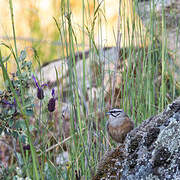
26,147
52,102
51,105
40,93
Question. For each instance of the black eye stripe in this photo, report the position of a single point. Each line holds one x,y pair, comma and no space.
115,115
118,114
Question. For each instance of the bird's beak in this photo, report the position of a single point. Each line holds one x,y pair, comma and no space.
108,113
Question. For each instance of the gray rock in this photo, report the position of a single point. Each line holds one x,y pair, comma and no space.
150,151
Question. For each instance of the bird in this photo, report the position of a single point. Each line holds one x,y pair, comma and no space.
118,125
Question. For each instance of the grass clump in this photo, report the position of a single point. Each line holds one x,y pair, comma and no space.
31,119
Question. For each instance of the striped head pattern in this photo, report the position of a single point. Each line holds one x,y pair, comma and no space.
116,112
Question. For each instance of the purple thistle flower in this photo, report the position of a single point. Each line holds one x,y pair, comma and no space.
40,92
52,102
14,104
10,104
